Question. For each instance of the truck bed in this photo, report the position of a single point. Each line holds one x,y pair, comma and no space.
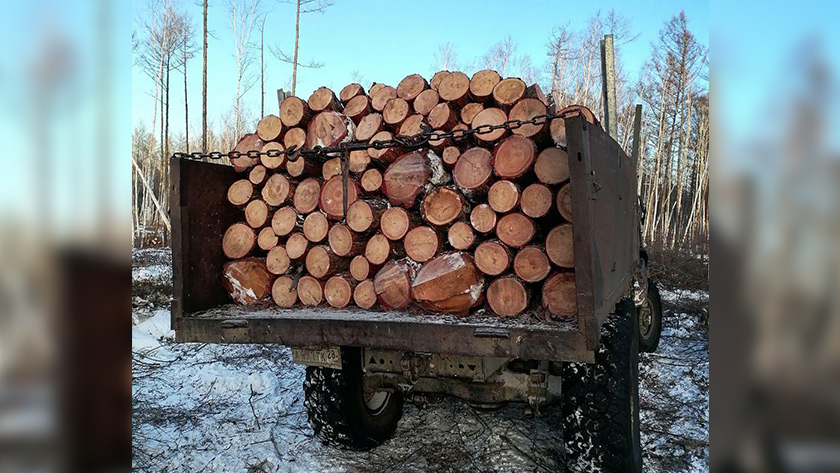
605,233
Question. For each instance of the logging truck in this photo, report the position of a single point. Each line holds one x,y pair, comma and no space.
437,299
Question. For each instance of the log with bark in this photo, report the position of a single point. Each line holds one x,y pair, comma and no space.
247,281
392,284
406,178
448,283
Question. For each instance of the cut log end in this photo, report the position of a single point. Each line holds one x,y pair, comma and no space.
378,249
284,221
448,283
515,230
406,178
315,227
426,101
559,245
358,108
296,245
344,242
362,216
257,175
514,156
338,291
483,83
240,192
276,190
324,99
332,197
370,125
422,244
395,223
256,214
442,117
395,112
382,96
536,200
531,264
385,155
327,129
277,261
310,291
272,162
527,109
492,258
564,201
469,112
270,128
392,285
455,88
360,268
266,239
282,293
503,196
351,91
552,166
450,155
473,169
559,294
371,181
307,195
238,241
322,262
483,218
508,91
411,86
443,206
490,116
507,296
247,281
364,295
461,236
294,112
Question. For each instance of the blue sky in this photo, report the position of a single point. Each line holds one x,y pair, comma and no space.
385,42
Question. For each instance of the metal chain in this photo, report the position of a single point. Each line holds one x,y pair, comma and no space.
321,153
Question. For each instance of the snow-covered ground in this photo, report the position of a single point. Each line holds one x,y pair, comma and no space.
231,408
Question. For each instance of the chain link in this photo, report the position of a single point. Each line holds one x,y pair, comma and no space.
321,153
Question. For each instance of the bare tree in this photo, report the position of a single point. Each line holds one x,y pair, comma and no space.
559,54
187,49
262,65
446,57
243,19
204,87
500,56
302,7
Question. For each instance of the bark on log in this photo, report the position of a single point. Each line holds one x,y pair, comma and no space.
442,117
490,116
284,221
330,169
371,181
360,268
350,91
324,100
422,243
247,281
332,196
249,142
483,83
504,196
564,201
395,112
358,161
328,129
443,206
536,200
552,166
483,218
411,86
272,162
507,296
492,257
345,242
559,295
384,155
437,78
469,112
559,245
531,264
379,249
449,283
358,108
282,293
277,190
587,114
364,215
392,285
382,96
396,222
412,125
406,177
238,241
364,295
527,109
511,90
257,175
370,125
270,128
472,170
310,291
294,112
307,195
461,236
514,157
375,87
277,260
267,239
426,101
315,227
338,291
515,230
296,245
455,88
451,155
256,214
240,192
322,262
557,130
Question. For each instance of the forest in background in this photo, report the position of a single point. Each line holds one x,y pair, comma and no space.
672,87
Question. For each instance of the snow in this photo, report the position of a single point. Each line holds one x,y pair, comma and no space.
230,408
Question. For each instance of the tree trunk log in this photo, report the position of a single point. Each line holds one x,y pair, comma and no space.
437,78
282,293
483,83
257,175
324,100
443,206
514,157
412,126
345,242
504,196
240,192
450,156
315,227
272,162
559,246
338,290
330,169
360,268
370,125
277,190
490,116
469,112
266,239
302,166
411,86
559,295
450,283
296,245
358,161
307,194
328,129
358,108
294,112
284,221
515,230
381,97
422,243
461,236
256,214
350,91
249,142
406,177
527,109
396,222
332,196
277,260
392,285
379,249
364,295
492,257
536,200
238,241
531,264
384,155
552,166
270,128
310,291
395,112
371,181
247,281
564,201
426,101
294,137
472,170
507,296
442,117
483,218
375,87
322,262
455,88
364,215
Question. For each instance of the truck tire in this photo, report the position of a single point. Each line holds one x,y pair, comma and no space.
338,410
650,319
600,401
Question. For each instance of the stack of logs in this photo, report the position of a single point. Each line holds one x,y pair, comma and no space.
478,219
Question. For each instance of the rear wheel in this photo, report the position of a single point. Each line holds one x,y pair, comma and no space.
601,401
339,410
650,319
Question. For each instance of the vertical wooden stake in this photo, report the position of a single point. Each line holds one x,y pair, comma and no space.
608,85
281,96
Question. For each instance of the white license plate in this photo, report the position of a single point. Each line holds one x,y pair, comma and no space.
329,357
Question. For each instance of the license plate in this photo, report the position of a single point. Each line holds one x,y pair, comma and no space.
329,357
